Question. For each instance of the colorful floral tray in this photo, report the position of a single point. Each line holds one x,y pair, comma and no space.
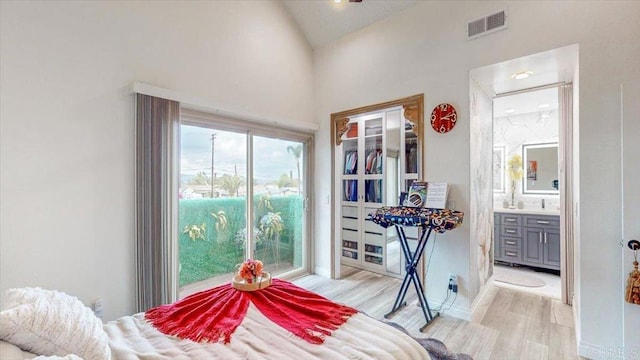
440,220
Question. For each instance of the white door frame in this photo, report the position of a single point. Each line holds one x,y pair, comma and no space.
630,133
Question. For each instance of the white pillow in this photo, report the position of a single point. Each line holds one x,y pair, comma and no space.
49,322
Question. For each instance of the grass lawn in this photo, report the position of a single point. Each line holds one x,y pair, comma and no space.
219,252
202,259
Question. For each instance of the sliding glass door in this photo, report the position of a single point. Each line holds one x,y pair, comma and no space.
279,203
242,195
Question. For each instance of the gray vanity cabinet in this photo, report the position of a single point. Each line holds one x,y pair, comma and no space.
508,238
552,249
529,240
497,255
534,248
542,241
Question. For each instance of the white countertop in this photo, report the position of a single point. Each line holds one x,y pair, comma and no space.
529,211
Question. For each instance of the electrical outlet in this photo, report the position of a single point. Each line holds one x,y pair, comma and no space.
98,307
453,283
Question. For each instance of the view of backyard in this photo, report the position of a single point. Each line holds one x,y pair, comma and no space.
213,204
218,248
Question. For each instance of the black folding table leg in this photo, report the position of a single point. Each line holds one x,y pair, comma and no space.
412,275
424,305
399,303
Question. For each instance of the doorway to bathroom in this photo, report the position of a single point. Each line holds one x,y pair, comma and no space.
526,191
531,99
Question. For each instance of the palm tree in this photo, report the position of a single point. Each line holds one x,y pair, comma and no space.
297,152
230,183
200,179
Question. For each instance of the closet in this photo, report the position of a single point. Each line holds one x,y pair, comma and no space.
378,155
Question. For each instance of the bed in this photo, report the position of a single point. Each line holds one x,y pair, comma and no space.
47,324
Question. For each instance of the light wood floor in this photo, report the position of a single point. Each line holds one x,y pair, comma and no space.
507,324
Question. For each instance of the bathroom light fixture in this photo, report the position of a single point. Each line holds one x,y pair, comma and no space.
337,1
509,111
521,75
543,106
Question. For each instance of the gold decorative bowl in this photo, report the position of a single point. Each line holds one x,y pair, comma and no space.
258,283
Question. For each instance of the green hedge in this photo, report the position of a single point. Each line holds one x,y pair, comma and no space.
220,252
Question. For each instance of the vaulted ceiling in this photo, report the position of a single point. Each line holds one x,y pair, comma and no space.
324,21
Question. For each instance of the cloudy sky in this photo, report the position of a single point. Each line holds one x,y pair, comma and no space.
270,162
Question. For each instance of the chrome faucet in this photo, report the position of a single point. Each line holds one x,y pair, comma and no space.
543,203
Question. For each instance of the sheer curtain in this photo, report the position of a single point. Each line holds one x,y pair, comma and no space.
157,130
565,94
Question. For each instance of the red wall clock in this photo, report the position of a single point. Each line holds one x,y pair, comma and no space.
443,118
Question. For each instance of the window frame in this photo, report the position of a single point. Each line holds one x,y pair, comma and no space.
277,131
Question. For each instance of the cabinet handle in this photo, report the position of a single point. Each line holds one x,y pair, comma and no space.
511,220
511,254
510,242
511,231
543,222
540,237
545,237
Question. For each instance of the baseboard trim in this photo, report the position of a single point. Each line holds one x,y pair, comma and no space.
483,292
576,321
597,352
459,312
322,271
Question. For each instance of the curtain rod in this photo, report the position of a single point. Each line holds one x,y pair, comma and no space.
521,91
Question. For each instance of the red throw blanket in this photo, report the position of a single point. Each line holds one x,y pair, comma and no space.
214,314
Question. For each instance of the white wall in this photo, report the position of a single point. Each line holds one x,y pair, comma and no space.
67,129
424,50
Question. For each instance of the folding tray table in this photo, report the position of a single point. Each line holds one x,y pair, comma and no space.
438,220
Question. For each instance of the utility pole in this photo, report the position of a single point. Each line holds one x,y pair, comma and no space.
213,174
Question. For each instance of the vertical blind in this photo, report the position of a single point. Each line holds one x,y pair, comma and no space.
157,128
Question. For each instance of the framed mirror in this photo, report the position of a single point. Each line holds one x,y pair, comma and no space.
540,162
498,169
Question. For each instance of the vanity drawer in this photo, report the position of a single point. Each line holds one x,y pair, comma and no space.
542,221
509,242
510,230
511,254
511,219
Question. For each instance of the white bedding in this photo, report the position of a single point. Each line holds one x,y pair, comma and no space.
133,337
361,337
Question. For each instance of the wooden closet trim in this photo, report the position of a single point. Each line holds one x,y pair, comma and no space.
413,107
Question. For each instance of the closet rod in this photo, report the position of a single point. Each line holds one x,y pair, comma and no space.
521,91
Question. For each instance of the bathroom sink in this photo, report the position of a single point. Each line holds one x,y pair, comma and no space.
532,211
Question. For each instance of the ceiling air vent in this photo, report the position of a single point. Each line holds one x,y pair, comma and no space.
486,25
476,27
